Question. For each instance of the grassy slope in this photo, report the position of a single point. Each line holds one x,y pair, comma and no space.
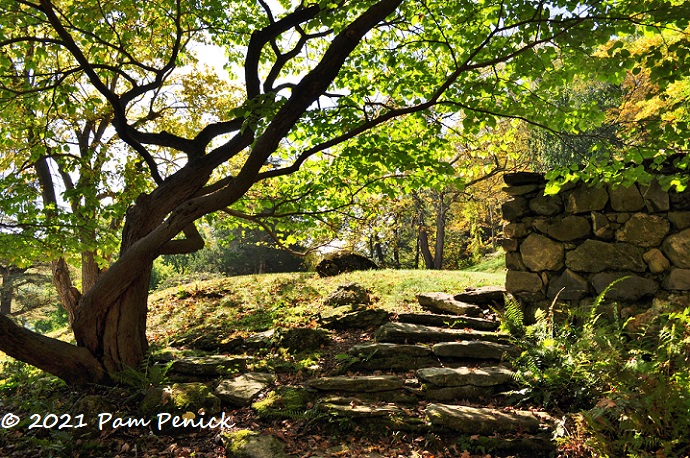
238,305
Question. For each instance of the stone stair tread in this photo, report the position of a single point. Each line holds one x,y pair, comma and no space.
446,303
355,407
475,421
449,321
409,332
474,349
210,365
391,357
360,383
389,350
483,295
486,421
488,376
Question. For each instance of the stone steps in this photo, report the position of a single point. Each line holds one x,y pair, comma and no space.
519,432
448,321
435,365
432,372
416,333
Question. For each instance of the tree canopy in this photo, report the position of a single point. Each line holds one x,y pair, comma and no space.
113,148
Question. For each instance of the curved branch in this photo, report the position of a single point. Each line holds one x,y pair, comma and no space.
73,364
193,242
260,38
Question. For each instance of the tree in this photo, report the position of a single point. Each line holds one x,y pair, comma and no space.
316,75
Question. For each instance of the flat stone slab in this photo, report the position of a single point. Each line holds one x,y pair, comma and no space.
391,357
241,390
482,421
446,303
365,384
456,393
389,350
485,295
208,365
474,349
349,317
354,410
449,321
409,332
461,376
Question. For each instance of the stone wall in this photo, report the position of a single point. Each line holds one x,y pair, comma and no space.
584,238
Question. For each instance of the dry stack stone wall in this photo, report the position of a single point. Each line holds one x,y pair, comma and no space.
585,237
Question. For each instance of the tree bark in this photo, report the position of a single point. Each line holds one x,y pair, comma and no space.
422,237
123,339
424,248
440,231
73,364
68,294
6,293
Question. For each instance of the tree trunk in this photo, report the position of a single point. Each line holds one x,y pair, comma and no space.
6,293
424,248
378,250
6,298
6,301
123,342
440,232
68,294
422,238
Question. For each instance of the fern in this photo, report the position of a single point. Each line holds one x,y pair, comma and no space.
512,318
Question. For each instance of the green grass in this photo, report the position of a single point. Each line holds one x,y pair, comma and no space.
494,263
240,305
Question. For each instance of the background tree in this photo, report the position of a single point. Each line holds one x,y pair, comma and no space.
316,76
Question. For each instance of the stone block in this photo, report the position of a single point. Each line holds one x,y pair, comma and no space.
569,228
520,190
515,209
574,286
601,226
514,261
630,289
541,224
477,421
586,199
362,384
523,178
679,220
510,244
656,261
485,295
241,390
677,248
677,280
523,282
626,199
655,199
680,201
546,205
477,376
596,256
446,303
622,218
473,349
515,230
541,253
644,230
